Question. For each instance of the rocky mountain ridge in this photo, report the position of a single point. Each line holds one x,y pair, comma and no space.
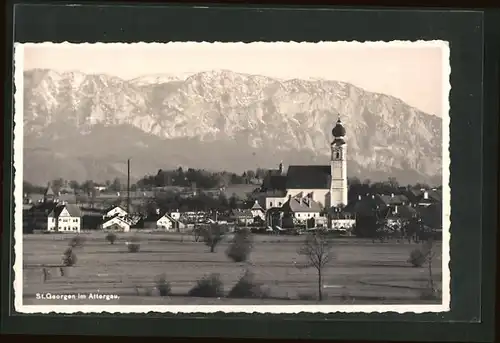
83,125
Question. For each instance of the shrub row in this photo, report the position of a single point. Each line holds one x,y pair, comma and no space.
211,286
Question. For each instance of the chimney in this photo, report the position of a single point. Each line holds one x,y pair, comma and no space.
359,197
395,209
392,195
157,211
426,195
373,196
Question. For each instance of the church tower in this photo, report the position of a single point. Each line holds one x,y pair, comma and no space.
338,165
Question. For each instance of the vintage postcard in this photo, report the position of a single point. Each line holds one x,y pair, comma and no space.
271,177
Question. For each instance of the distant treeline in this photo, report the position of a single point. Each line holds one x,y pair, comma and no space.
199,178
202,179
192,178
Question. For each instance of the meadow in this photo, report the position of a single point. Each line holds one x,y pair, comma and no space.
362,272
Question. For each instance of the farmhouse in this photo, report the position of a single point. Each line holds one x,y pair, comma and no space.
257,211
302,208
162,221
175,215
342,218
424,197
52,215
116,223
324,184
115,211
244,217
64,218
391,200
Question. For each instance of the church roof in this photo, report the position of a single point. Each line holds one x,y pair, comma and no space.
295,204
274,182
338,130
308,177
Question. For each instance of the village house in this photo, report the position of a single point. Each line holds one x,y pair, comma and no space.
424,197
50,214
243,217
342,218
116,224
162,221
175,215
115,211
258,211
297,210
64,218
428,198
391,200
302,208
396,214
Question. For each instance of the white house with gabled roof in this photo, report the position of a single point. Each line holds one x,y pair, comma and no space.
116,224
115,211
258,211
64,218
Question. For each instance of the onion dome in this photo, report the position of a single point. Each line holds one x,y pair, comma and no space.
338,130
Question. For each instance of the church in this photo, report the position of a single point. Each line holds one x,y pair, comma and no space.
325,185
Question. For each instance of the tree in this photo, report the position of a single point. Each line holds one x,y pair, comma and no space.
260,173
212,235
74,185
233,201
317,252
57,185
240,247
250,174
393,183
29,188
116,186
93,195
87,187
430,253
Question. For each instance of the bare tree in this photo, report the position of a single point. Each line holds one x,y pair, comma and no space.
212,235
430,253
317,251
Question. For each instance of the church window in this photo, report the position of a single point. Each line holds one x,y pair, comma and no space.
279,204
271,204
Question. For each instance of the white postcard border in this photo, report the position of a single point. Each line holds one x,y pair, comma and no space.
271,309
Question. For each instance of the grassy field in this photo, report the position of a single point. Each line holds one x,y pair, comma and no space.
362,272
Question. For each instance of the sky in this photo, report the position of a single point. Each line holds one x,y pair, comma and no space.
412,72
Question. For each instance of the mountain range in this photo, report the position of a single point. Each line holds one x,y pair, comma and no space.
80,126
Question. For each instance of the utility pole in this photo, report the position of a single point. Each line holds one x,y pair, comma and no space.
128,186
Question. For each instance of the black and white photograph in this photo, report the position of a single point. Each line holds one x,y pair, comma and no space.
271,177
